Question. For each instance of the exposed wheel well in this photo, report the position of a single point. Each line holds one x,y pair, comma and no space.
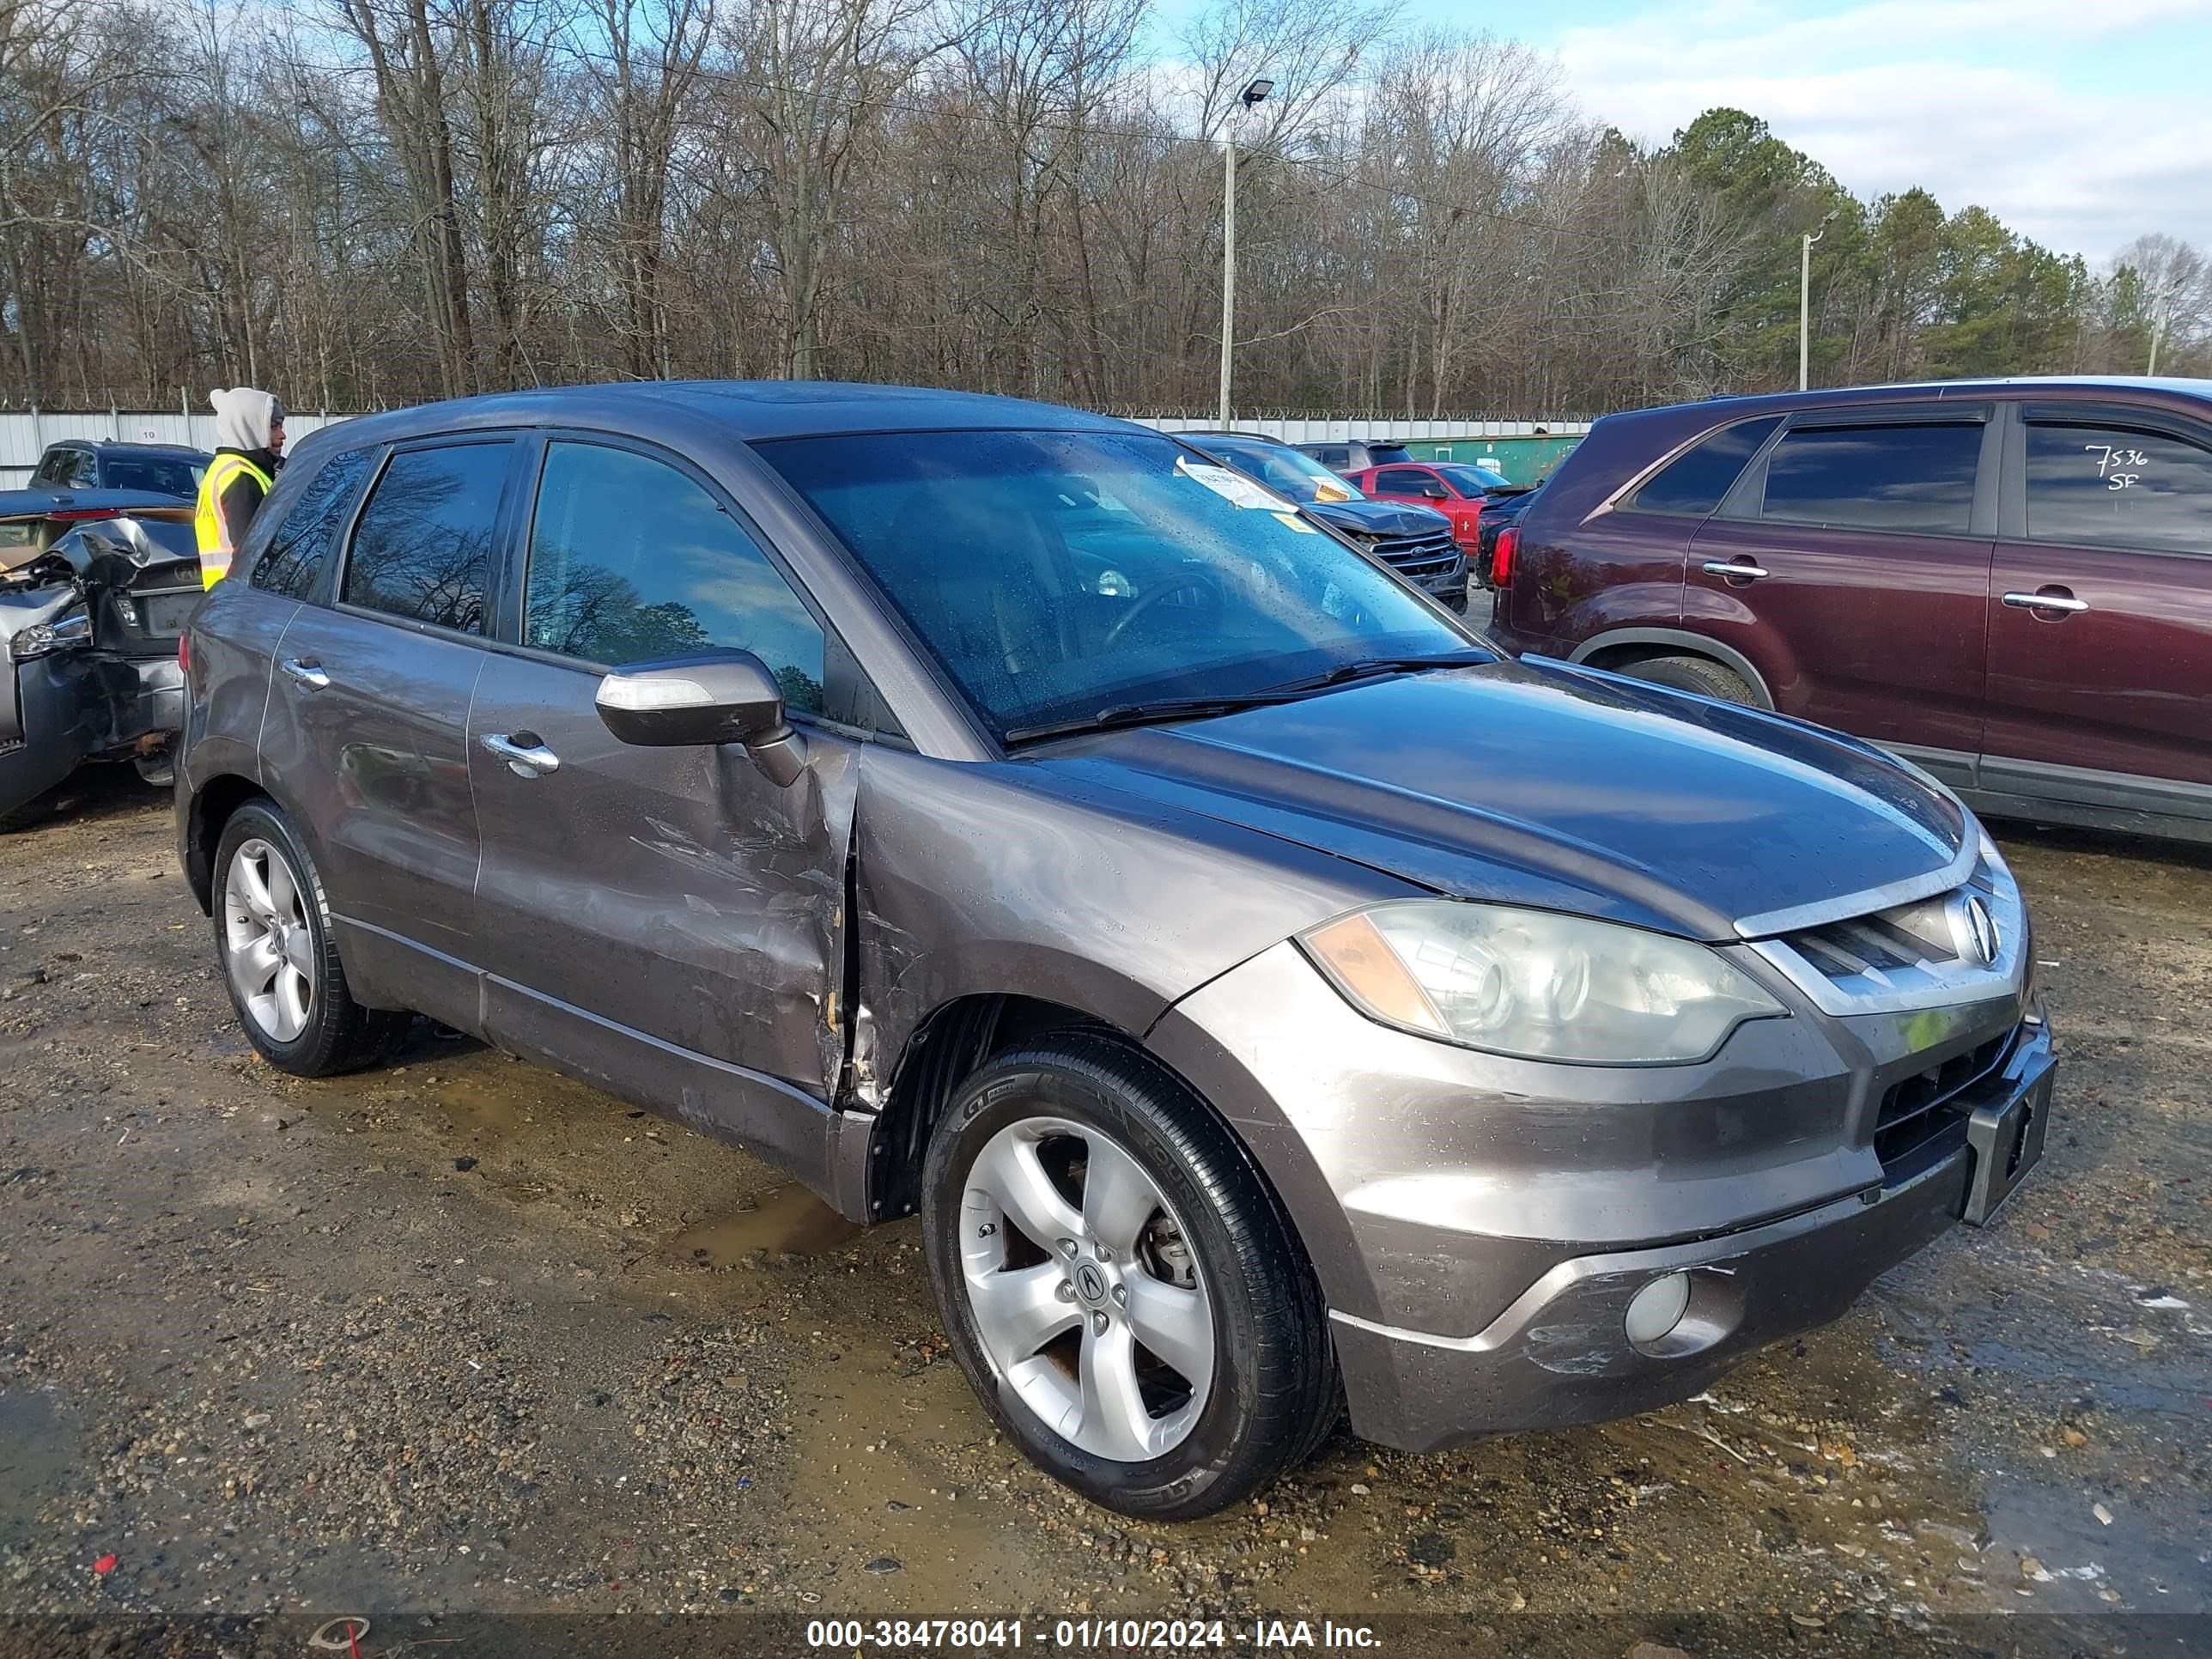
1620,658
949,1044
210,810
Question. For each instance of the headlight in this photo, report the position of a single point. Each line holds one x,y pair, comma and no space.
42,638
1536,985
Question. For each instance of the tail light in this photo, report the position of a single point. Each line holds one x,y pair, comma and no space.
83,514
1501,558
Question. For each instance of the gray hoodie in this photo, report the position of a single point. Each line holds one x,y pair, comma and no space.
243,416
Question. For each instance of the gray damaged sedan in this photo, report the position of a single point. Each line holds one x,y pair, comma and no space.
1272,998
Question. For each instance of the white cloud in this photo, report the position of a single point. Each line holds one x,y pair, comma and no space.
2002,103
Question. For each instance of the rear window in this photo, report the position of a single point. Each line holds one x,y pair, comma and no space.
296,555
1472,480
422,548
1908,479
157,475
1694,481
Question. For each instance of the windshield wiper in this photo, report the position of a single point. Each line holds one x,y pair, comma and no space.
1144,714
1189,709
1362,667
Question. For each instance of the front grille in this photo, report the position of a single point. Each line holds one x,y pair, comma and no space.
1967,945
1417,556
1912,1108
1884,942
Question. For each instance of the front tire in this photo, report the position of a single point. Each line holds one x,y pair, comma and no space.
1699,674
1120,1287
279,955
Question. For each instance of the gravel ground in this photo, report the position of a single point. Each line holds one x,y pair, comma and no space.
506,1366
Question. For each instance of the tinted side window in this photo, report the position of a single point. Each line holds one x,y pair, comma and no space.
1907,478
2111,486
422,548
1400,480
1694,481
294,555
1336,458
630,560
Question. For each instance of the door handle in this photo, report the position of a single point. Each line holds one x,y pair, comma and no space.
2059,600
525,759
306,673
1744,571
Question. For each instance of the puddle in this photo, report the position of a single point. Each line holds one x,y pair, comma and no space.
784,1221
2073,1559
41,1453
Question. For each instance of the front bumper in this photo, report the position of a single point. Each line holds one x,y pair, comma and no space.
1560,1353
1449,587
1480,1225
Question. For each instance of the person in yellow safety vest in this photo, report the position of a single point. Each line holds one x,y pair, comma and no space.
249,428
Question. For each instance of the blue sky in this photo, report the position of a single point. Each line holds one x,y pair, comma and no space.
2081,123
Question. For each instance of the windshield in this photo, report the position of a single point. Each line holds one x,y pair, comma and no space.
1290,472
1056,574
1471,480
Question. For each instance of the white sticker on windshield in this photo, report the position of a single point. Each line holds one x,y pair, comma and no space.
1232,486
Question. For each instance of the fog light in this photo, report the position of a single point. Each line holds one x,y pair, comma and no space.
1657,1308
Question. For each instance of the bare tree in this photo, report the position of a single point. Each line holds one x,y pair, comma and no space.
366,202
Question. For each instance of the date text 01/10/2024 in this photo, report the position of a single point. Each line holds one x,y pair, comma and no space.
1098,1634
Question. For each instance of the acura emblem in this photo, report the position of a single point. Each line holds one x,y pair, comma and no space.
1981,939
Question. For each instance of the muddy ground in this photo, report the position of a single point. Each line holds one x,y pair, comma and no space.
504,1365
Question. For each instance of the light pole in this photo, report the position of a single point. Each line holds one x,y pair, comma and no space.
1249,97
2159,318
1805,302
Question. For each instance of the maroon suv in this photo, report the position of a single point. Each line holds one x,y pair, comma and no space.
2008,581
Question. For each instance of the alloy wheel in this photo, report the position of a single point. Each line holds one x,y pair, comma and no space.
1084,1290
268,947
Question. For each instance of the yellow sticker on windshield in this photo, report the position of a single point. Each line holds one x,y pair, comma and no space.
1292,521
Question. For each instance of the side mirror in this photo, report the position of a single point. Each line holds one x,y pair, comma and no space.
724,696
1435,491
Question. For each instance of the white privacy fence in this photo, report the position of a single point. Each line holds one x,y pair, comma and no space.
25,434
1325,429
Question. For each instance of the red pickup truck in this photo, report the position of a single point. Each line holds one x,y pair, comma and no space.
1478,500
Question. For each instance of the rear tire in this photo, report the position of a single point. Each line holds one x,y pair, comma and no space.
1164,1349
1699,674
274,940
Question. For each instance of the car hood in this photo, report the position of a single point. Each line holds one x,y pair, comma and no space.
1380,517
1558,787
